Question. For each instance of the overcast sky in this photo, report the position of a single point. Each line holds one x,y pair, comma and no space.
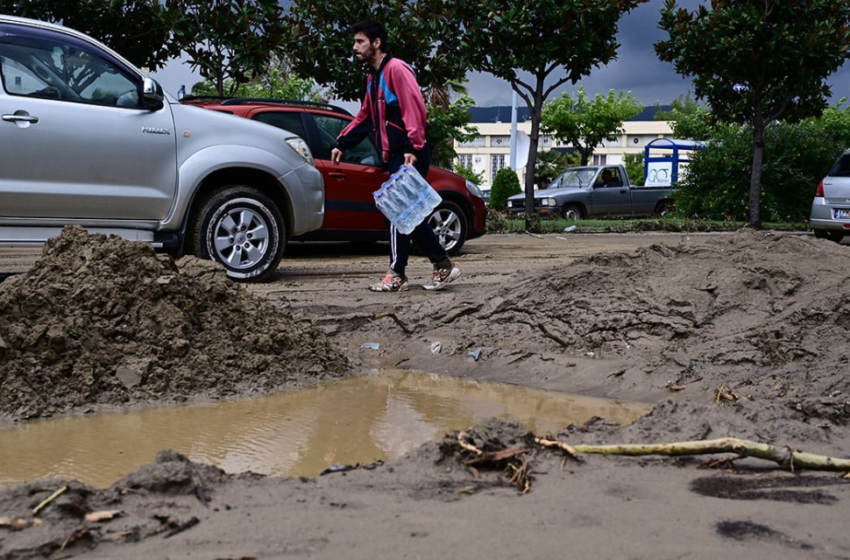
637,68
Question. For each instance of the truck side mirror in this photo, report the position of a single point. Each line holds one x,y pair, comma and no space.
152,94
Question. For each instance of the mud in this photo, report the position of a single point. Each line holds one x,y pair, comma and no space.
103,322
729,335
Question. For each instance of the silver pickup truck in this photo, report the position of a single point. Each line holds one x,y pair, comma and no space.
595,190
88,139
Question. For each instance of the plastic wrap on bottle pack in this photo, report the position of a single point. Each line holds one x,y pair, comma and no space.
406,199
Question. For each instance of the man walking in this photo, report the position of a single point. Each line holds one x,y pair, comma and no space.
394,112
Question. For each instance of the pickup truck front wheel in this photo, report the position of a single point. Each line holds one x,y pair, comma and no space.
572,212
242,229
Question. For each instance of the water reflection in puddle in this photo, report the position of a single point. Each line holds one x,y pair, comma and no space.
358,420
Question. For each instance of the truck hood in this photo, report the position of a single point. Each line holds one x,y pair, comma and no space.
202,128
550,193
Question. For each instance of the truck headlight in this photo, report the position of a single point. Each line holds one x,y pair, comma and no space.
547,202
301,147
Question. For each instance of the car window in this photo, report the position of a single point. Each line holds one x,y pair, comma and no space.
615,181
49,68
842,168
329,128
287,120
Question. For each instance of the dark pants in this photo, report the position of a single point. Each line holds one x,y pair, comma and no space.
423,235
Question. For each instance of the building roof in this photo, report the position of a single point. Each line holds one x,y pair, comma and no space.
502,113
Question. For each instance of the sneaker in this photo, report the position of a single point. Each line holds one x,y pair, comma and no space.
442,277
391,282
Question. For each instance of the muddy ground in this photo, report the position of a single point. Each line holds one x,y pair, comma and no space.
740,334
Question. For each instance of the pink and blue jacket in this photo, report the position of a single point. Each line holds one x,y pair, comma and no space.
393,110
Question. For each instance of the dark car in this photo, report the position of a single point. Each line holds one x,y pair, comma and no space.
350,212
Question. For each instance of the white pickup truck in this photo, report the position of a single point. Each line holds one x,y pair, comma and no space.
595,190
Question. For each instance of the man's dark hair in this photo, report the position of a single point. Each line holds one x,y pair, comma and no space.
373,30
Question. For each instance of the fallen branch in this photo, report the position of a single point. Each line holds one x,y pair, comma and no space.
49,499
393,316
785,457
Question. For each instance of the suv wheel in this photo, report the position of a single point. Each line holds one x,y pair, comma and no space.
449,223
242,229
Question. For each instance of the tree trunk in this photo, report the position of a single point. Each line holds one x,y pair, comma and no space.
755,178
534,139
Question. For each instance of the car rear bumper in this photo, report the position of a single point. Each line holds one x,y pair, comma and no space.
823,216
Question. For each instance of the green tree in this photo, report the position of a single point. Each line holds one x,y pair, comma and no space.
797,156
417,35
550,164
229,41
682,105
139,30
530,42
469,174
757,61
448,122
586,123
505,184
634,168
320,44
278,83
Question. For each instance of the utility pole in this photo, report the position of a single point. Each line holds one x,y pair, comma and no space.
513,131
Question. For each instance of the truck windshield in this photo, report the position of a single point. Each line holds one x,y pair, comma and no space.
574,178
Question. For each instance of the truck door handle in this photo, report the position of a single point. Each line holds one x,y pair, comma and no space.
338,175
20,118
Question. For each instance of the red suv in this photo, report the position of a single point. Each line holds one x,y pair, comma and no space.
350,212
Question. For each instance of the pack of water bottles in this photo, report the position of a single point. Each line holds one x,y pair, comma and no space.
406,199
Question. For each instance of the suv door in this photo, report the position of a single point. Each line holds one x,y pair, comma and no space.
77,141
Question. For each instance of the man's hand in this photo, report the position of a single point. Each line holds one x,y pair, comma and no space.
336,155
409,160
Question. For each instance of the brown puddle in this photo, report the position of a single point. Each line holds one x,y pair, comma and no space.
358,420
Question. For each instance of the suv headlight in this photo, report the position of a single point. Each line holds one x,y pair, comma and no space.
301,148
473,188
547,202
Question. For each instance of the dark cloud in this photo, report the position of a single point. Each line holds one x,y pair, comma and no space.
637,68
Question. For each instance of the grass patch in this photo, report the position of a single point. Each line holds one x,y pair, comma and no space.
500,222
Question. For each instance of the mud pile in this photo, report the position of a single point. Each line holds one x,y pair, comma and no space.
754,315
103,321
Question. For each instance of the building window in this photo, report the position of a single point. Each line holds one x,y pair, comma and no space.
497,162
477,142
465,160
502,141
600,159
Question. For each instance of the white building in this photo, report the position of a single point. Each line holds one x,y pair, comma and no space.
491,150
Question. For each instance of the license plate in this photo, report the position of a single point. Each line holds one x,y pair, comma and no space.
841,213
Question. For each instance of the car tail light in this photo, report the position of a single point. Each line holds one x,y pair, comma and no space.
819,190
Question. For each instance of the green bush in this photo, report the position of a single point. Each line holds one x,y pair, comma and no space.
504,185
796,157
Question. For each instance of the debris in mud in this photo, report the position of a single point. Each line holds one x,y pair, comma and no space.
104,321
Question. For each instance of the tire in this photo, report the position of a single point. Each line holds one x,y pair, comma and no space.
572,212
449,223
242,229
829,234
665,207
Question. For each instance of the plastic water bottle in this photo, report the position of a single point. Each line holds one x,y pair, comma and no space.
406,199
